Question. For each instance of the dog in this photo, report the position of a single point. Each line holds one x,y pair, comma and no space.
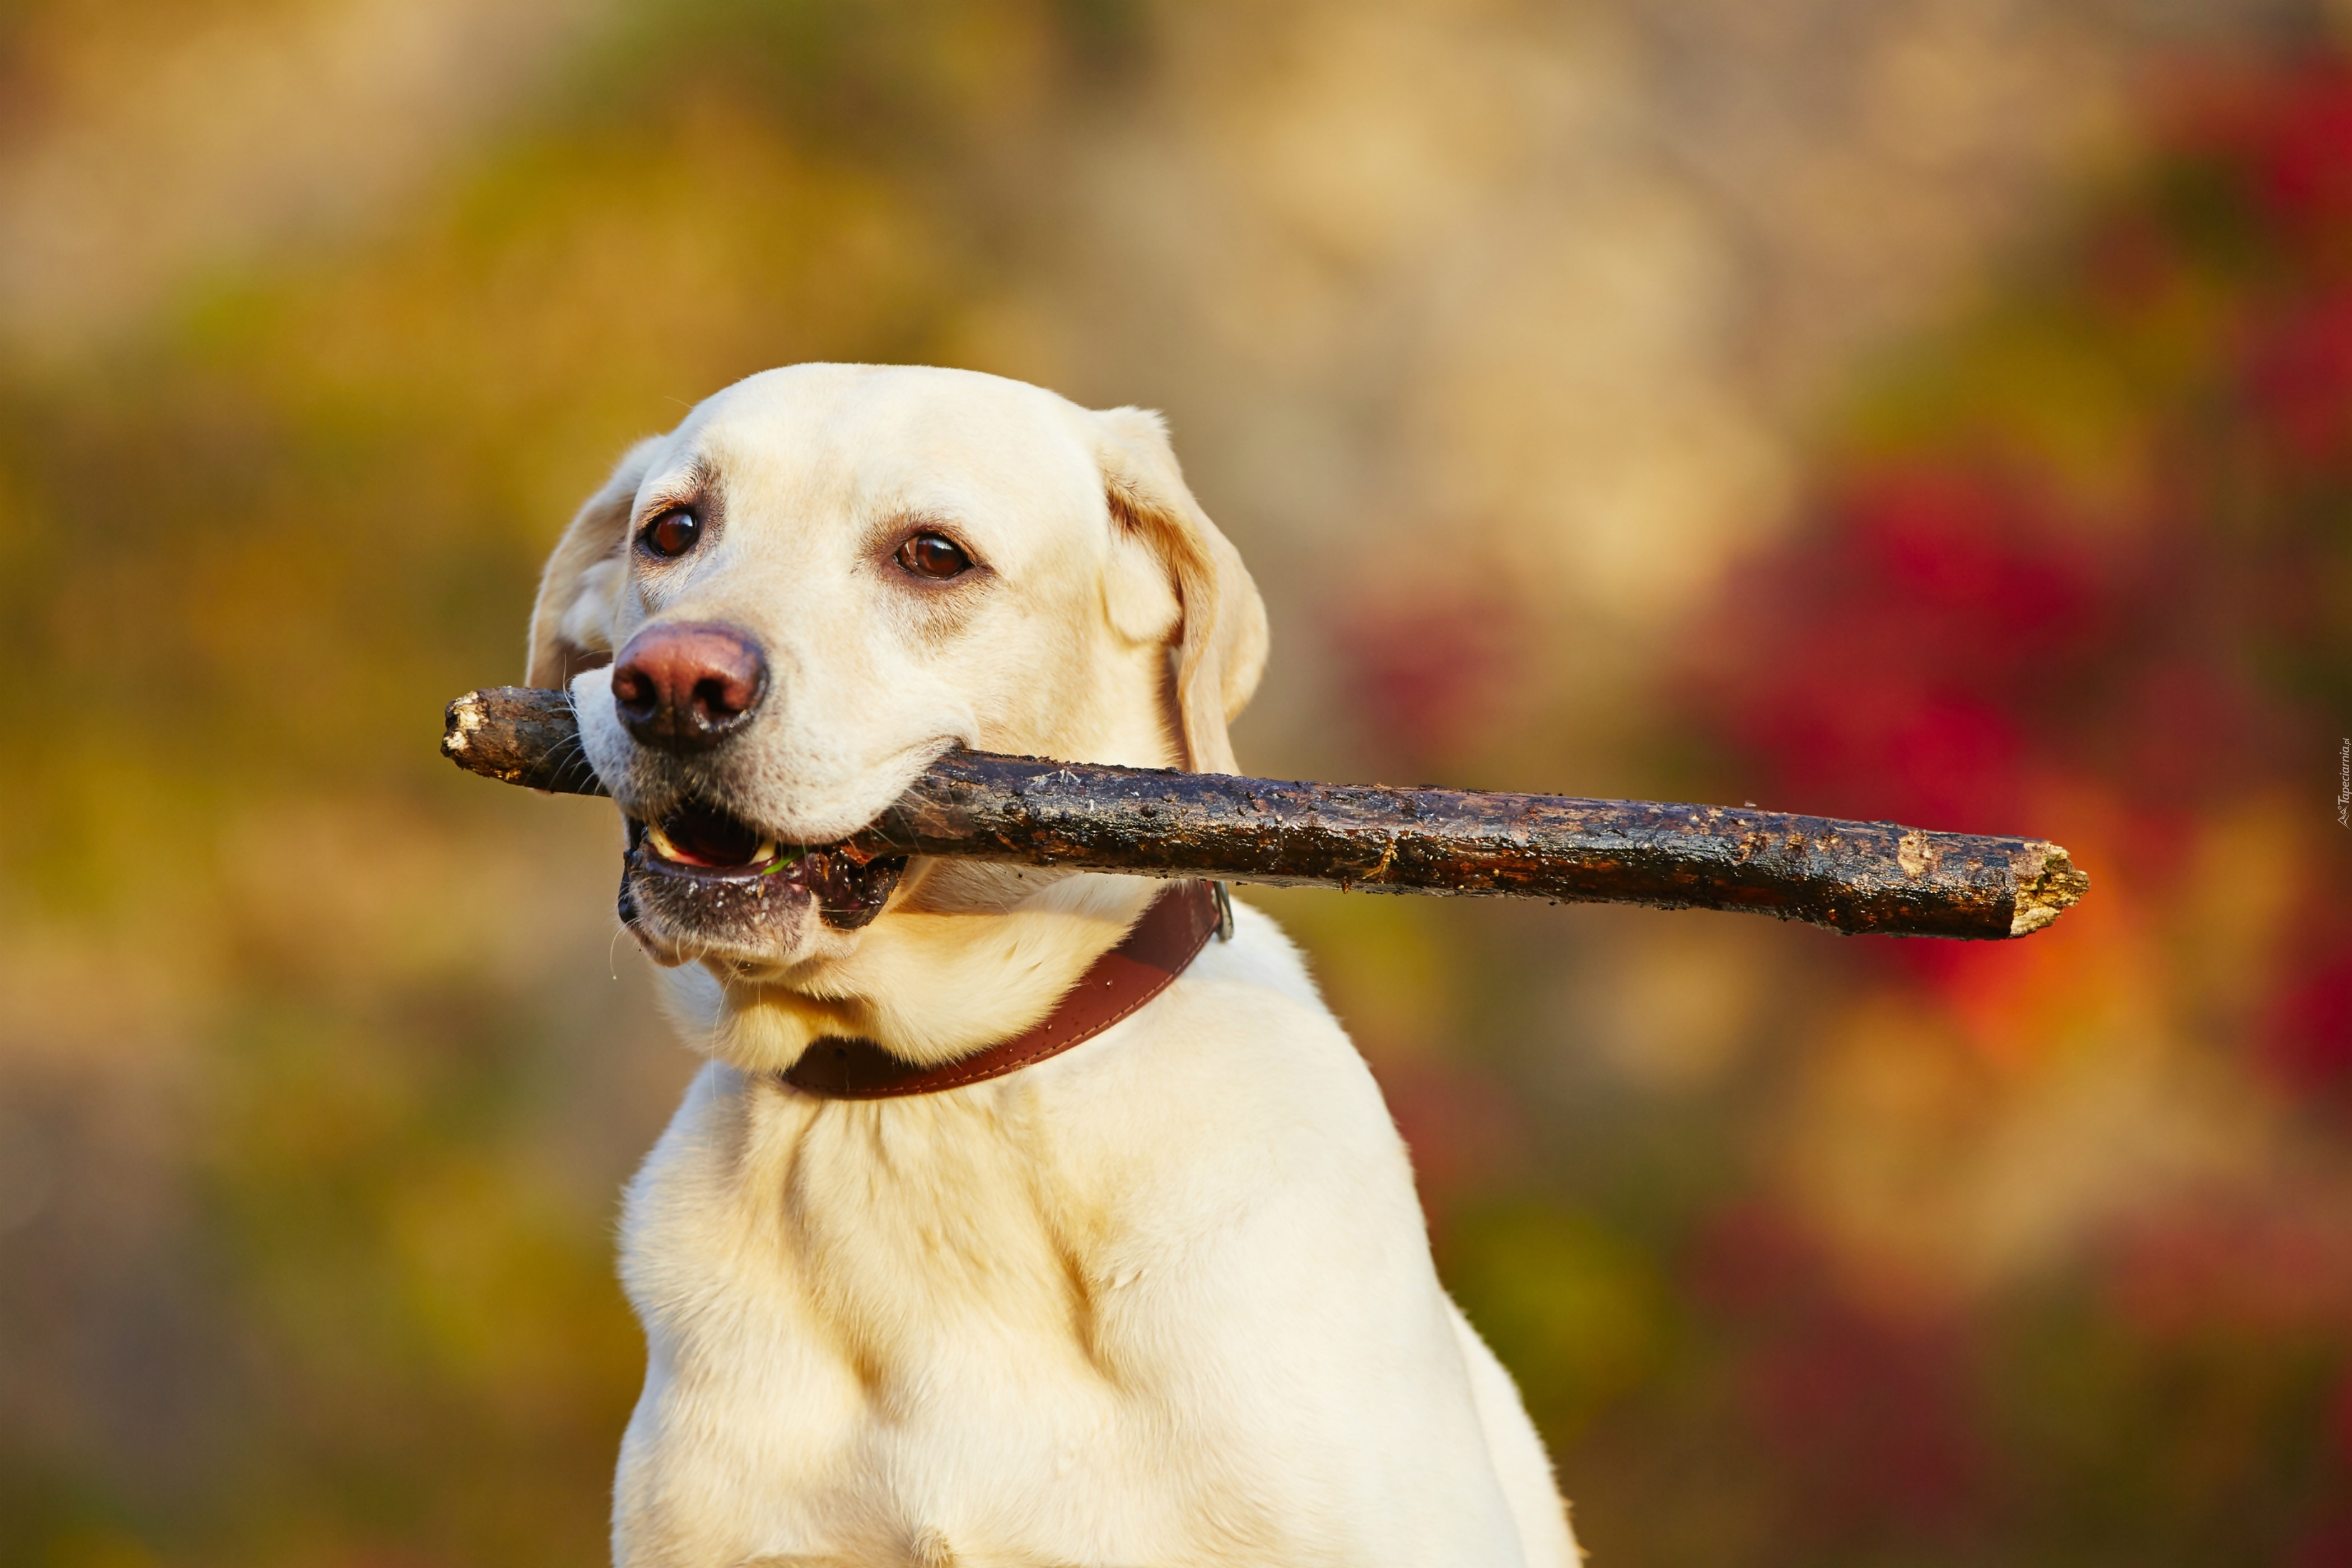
1163,1297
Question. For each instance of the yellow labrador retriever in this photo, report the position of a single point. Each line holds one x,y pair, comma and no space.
925,1282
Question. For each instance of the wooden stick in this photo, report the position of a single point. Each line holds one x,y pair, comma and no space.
1854,876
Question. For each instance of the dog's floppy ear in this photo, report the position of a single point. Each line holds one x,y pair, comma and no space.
1219,633
570,626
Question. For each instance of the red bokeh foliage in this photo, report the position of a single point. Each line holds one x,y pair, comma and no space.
2238,1267
2327,1542
1423,671
2308,1037
1947,645
1958,639
1897,663
1460,1123
2325,1545
1966,635
1867,1410
2283,135
2299,376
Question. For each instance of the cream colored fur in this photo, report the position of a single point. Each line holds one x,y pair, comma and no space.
1165,1298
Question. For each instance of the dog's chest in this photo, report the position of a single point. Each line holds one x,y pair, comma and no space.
849,1298
1163,1299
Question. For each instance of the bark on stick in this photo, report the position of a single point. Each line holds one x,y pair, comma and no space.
1854,876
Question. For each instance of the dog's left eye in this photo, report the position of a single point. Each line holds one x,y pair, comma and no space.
671,534
933,555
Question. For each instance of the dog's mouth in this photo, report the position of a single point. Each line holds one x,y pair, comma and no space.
704,838
711,857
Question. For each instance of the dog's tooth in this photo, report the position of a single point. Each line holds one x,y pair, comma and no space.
764,853
660,841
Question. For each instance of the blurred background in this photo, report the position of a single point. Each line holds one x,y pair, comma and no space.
1929,409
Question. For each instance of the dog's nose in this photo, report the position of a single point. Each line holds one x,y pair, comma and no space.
688,685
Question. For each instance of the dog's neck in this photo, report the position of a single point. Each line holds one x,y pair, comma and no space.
972,955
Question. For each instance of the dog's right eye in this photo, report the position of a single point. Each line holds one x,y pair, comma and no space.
933,555
671,534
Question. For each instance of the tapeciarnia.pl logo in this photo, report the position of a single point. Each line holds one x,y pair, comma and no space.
2344,785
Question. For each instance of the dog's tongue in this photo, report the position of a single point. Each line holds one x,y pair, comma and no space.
698,836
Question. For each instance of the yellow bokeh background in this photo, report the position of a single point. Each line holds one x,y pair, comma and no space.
1502,337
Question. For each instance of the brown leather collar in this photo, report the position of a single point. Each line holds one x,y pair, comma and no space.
1161,946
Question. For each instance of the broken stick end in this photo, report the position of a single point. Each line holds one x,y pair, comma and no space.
460,721
474,738
520,736
2049,883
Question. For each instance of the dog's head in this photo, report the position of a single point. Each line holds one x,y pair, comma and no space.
774,617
